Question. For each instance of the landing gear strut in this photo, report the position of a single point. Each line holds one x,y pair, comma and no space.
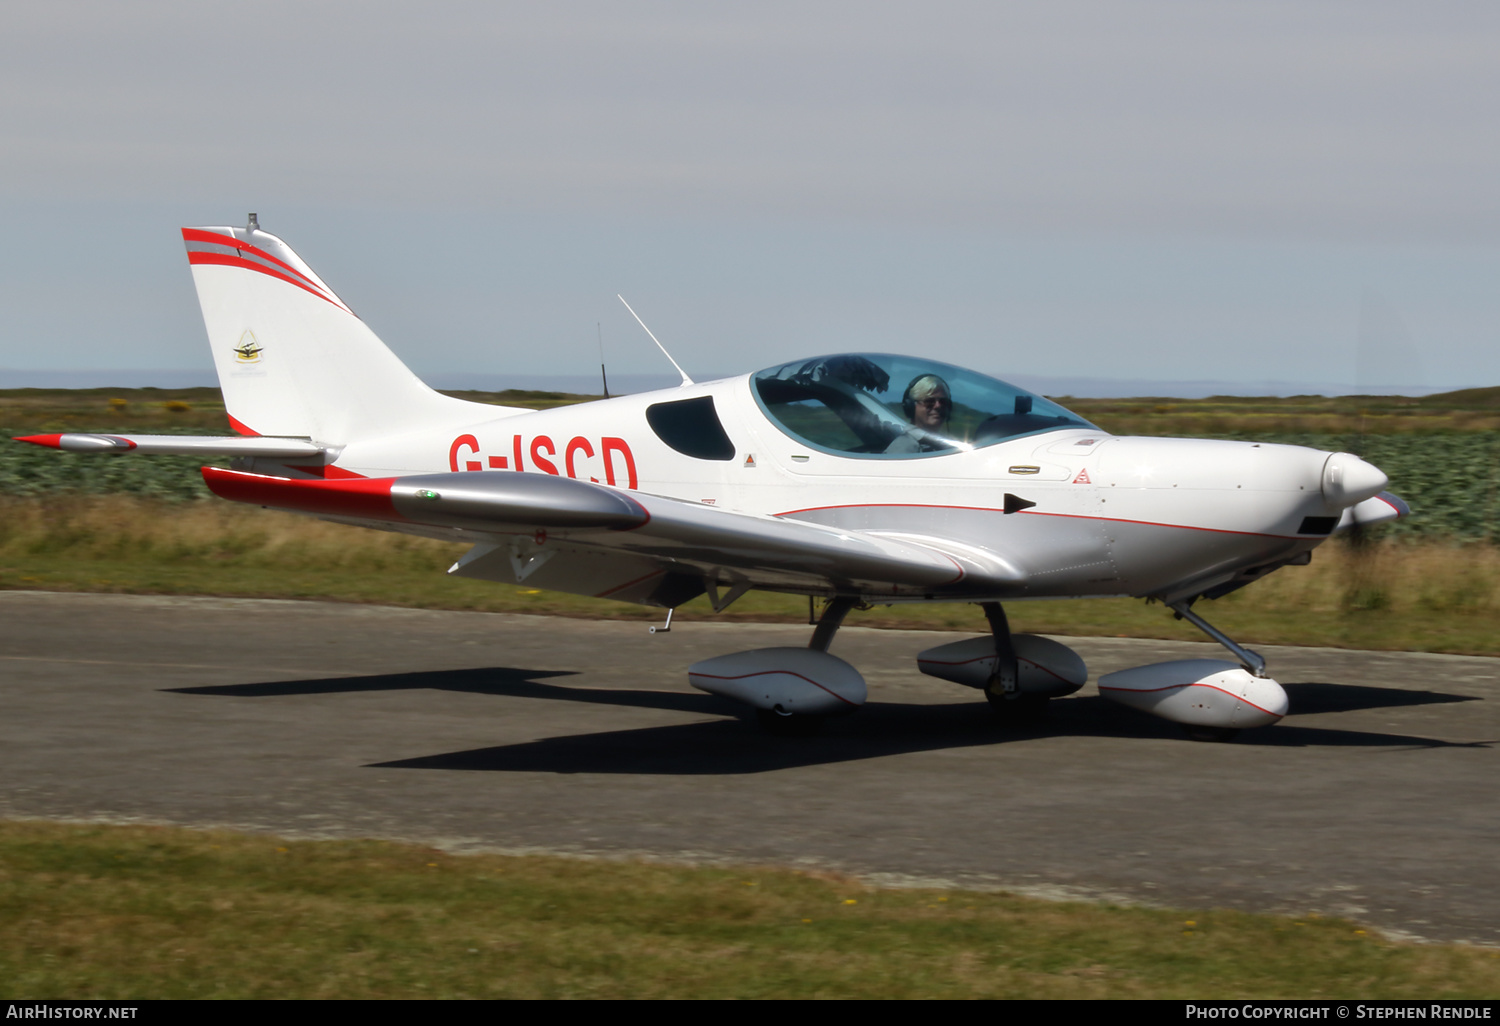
1252,661
830,622
1003,690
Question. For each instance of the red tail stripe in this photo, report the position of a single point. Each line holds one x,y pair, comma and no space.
348,497
232,261
195,235
50,441
240,428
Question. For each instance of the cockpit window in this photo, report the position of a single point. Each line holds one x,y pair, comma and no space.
870,404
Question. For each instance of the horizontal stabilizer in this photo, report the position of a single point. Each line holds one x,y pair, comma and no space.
182,445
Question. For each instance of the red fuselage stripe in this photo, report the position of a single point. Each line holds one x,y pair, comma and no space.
1030,512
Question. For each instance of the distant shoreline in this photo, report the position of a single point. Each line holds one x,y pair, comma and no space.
624,384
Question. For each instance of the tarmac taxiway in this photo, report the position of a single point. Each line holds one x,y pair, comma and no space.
1375,799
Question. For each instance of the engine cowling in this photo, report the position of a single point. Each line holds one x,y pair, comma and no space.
790,681
1198,692
1043,666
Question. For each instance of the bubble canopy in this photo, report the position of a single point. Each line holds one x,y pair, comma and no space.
872,405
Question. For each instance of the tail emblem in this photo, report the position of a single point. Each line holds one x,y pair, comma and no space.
249,350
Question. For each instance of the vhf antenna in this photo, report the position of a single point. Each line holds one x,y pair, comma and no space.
602,374
685,379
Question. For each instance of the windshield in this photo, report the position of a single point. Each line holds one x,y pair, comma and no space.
871,404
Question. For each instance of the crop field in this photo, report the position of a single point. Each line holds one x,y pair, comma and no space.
147,524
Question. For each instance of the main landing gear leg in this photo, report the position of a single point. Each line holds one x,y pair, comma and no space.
1003,689
830,622
799,724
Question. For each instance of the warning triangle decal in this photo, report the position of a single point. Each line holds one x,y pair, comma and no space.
1082,478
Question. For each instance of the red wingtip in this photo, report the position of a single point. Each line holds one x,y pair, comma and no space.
360,497
50,441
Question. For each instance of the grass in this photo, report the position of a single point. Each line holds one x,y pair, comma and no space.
1471,409
153,912
1414,597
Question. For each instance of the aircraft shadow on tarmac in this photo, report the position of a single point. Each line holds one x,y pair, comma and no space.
731,743
506,681
1309,698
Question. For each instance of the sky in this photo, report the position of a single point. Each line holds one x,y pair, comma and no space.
1085,197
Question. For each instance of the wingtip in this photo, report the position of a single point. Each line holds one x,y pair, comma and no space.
50,441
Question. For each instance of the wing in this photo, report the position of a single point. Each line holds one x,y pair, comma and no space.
567,535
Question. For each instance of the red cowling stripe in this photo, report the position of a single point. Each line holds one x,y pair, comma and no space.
348,497
195,235
233,261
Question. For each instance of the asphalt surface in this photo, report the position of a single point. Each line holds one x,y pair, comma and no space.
1375,799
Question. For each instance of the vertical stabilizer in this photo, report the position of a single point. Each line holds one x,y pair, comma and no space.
293,359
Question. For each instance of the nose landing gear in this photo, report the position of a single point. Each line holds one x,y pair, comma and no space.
1008,702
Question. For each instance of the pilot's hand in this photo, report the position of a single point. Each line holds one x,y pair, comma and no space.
857,371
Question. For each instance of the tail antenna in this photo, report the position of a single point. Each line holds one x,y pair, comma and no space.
602,374
685,379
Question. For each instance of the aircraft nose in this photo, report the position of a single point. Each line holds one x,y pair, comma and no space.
1348,480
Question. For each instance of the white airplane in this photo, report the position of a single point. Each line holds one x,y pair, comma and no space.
854,478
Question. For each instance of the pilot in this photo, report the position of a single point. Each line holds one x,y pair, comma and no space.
927,403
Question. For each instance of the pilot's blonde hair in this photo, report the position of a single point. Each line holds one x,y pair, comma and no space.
929,385
923,386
